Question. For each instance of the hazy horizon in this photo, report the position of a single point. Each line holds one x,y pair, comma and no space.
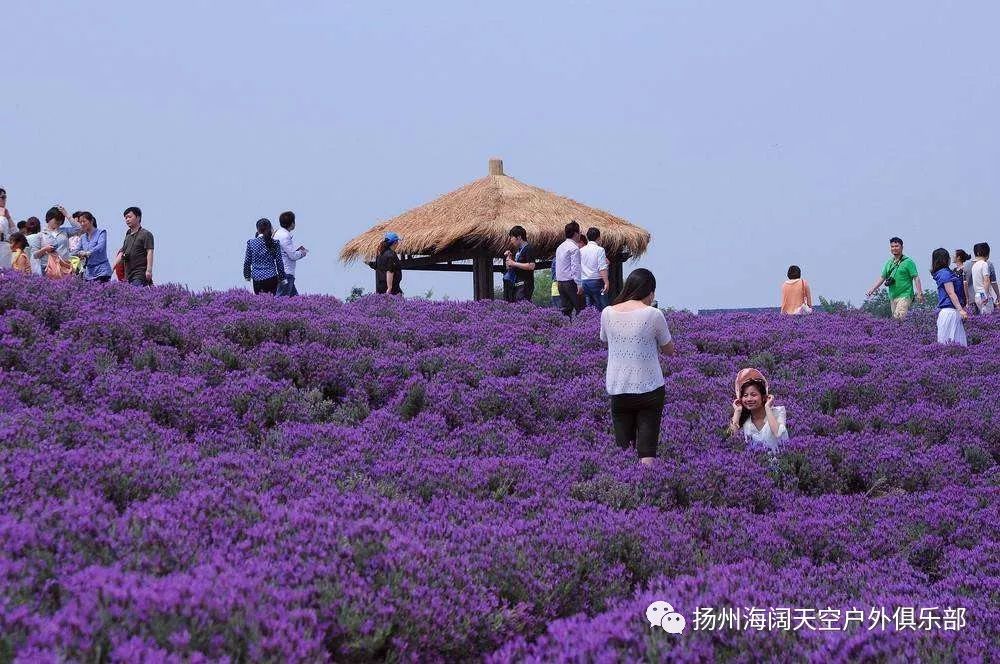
744,138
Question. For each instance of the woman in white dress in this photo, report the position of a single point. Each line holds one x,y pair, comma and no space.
754,413
7,228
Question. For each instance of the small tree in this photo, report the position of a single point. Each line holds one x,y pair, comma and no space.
542,296
880,306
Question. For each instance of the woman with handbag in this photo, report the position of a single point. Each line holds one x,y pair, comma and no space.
263,264
796,298
54,251
93,250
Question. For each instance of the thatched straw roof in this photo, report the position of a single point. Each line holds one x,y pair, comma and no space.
480,215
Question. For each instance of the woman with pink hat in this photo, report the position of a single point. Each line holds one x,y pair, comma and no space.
754,412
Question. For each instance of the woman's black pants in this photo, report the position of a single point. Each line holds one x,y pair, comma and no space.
636,417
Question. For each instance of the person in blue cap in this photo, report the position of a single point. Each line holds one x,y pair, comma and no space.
388,270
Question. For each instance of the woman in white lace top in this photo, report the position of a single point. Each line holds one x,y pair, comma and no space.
636,334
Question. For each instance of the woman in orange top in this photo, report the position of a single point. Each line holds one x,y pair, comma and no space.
796,298
18,259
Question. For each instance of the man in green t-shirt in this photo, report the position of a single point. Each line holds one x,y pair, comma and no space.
899,274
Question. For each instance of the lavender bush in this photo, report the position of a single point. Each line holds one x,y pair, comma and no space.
219,476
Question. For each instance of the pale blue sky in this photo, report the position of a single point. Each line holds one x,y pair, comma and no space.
745,136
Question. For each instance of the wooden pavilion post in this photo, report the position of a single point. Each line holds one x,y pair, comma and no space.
616,278
482,276
482,261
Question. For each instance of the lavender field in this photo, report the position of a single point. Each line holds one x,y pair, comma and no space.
194,477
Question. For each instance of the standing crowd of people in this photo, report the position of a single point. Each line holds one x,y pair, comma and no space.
956,277
966,286
72,245
633,327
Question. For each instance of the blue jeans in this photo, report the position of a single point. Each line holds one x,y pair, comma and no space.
592,292
288,287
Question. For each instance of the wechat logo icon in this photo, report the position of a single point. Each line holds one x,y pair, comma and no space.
661,614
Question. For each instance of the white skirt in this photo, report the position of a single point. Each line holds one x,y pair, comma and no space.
950,328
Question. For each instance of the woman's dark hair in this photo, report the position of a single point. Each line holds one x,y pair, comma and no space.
794,272
32,225
759,384
962,255
519,232
55,213
265,230
19,240
382,246
638,286
940,259
286,219
593,234
89,217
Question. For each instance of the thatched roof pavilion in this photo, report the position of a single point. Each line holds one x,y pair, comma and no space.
473,222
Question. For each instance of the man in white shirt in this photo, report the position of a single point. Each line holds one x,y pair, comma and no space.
981,282
568,273
594,271
290,254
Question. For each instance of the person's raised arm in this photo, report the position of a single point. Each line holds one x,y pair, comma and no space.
70,226
775,420
734,422
529,266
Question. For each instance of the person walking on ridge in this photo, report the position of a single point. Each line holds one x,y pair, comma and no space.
951,300
388,269
796,298
136,254
900,276
568,273
290,254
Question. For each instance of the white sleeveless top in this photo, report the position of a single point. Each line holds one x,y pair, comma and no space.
634,339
